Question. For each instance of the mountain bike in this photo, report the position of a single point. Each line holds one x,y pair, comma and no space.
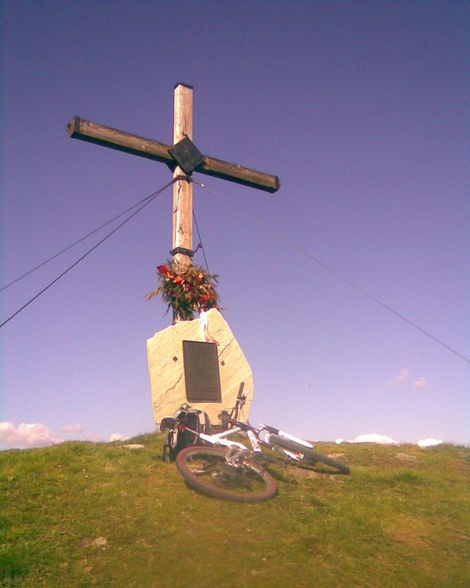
228,469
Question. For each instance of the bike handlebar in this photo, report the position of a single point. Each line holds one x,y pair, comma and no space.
242,426
248,427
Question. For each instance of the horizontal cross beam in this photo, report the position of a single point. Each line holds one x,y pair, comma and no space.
92,132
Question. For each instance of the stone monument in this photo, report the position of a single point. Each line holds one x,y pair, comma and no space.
187,366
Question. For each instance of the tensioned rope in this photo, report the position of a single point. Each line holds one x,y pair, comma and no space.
201,244
143,203
329,269
77,242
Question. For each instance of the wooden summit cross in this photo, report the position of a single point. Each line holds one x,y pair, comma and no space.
171,362
182,158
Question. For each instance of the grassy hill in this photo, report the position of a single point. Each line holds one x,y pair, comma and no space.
83,514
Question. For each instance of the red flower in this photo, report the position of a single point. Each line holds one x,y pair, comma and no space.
186,289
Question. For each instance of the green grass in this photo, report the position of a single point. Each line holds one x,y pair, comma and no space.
83,514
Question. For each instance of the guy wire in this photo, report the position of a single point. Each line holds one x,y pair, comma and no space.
105,224
347,281
145,202
201,244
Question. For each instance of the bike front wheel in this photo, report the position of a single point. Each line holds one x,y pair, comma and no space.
307,457
205,469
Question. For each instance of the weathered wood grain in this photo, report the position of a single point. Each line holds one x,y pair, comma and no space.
86,130
182,190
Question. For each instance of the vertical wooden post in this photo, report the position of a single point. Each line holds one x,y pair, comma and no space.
182,190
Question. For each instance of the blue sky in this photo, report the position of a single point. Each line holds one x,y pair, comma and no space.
361,108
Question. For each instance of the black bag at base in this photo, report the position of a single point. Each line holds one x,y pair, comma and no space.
187,420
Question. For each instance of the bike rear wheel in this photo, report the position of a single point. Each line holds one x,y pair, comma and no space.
205,469
310,459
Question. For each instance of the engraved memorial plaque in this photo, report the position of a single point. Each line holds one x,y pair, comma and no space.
201,372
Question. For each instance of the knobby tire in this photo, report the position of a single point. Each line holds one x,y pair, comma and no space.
206,470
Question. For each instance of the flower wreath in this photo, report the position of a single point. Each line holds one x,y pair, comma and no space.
186,289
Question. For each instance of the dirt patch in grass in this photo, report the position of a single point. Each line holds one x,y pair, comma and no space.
410,531
303,473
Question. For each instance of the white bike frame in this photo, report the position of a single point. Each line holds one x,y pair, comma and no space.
262,433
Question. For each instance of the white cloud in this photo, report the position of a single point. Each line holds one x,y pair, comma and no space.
26,435
375,438
72,429
420,383
384,440
370,438
118,437
403,376
429,442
